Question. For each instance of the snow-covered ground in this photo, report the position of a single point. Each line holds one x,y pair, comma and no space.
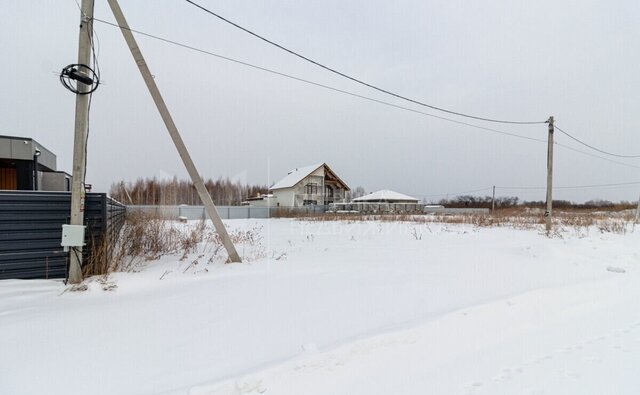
342,308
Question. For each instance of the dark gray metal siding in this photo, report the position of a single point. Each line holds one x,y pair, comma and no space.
31,229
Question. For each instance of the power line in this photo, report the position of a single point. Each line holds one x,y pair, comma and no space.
281,74
594,148
578,186
382,102
332,70
458,193
93,38
596,156
535,189
394,94
521,188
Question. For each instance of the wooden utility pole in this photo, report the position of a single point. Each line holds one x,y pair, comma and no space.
173,131
493,200
548,212
80,138
637,212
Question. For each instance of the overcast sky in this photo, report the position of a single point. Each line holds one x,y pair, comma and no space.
576,60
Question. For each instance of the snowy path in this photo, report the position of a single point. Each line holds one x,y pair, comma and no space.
568,340
362,308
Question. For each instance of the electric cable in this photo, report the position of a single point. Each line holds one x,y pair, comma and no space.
620,184
281,74
596,156
344,75
577,186
457,193
592,147
75,252
94,56
338,90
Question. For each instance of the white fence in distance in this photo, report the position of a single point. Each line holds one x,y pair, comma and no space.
244,212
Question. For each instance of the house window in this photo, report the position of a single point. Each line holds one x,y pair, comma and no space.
311,189
309,202
328,191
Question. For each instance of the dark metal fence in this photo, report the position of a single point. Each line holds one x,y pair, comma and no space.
31,229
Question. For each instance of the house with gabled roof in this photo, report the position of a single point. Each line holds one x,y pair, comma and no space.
310,185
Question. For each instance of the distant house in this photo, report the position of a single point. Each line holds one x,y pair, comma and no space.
309,185
380,202
262,200
386,196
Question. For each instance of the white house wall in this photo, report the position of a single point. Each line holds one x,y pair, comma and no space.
285,197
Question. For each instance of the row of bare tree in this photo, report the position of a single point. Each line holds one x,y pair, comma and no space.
513,201
479,201
153,191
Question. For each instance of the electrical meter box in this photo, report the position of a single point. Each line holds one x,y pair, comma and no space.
72,236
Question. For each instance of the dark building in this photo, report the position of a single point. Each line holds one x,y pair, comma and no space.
27,166
34,204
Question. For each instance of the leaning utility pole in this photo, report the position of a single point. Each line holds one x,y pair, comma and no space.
548,212
80,138
173,131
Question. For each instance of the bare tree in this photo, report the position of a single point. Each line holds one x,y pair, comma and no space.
173,192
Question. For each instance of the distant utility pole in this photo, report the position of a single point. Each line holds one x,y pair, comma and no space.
80,138
173,131
493,200
548,212
637,212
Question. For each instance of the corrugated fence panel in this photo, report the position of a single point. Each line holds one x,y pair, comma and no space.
31,229
226,212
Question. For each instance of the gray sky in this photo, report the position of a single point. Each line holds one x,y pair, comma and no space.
576,60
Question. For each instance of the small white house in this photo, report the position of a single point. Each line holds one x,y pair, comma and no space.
309,185
386,196
262,200
380,202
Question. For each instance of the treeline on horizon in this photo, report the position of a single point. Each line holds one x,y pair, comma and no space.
171,192
153,191
514,201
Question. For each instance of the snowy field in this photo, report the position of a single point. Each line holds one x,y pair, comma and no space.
321,308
